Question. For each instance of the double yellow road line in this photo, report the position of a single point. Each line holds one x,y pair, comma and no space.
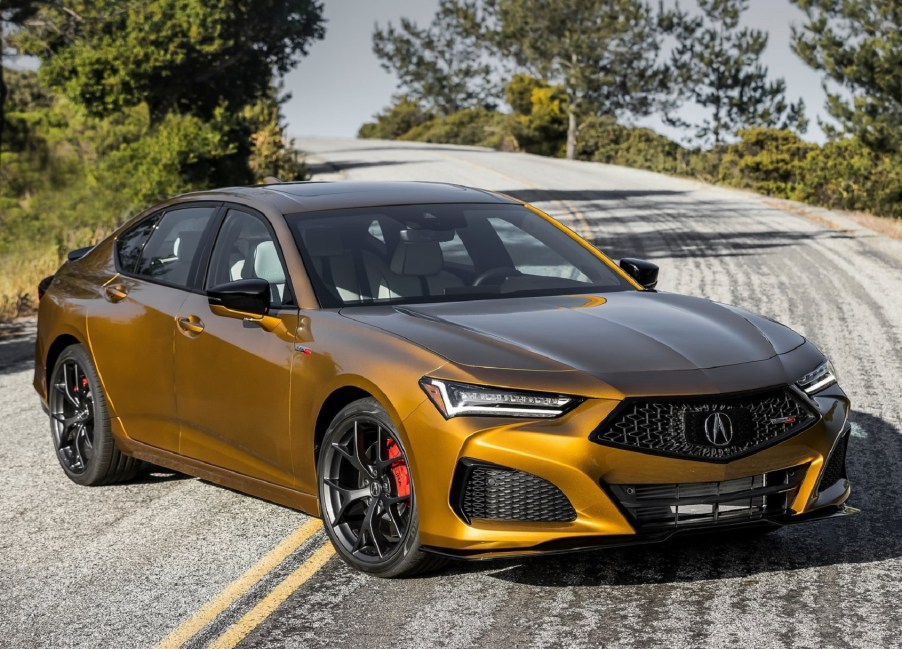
264,608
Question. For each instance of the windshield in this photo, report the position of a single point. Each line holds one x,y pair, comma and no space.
440,253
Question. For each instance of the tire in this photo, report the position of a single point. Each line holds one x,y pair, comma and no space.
367,496
80,423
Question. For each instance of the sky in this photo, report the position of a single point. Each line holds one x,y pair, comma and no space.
341,85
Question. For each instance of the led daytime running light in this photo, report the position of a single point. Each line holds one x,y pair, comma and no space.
457,399
817,380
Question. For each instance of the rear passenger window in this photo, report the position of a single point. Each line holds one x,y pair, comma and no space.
171,250
129,244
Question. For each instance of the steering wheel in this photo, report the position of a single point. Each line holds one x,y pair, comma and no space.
500,273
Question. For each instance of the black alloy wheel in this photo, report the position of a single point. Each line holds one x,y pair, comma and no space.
79,423
72,416
367,494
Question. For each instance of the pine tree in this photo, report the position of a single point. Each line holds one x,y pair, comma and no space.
717,65
602,52
442,66
858,46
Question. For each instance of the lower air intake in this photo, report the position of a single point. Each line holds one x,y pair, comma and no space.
497,493
836,465
657,506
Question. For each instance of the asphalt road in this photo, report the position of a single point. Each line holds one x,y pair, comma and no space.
131,565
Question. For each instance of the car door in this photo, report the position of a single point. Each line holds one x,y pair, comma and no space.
232,375
131,332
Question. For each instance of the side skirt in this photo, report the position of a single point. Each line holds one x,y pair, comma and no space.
284,496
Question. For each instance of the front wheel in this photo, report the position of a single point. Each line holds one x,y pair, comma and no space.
367,495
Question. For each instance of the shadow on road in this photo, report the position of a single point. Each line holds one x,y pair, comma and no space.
539,195
342,165
669,227
16,355
677,244
874,535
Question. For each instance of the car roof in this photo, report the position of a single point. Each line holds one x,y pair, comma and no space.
312,196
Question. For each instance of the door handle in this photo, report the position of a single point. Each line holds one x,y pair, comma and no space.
190,324
115,293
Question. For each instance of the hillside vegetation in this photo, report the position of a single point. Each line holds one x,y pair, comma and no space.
575,75
131,105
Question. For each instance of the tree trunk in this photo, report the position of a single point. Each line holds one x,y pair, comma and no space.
571,132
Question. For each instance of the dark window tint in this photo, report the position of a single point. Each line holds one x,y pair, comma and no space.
129,244
530,254
171,249
442,253
245,249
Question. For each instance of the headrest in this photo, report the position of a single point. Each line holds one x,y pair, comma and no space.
417,258
323,242
267,265
186,243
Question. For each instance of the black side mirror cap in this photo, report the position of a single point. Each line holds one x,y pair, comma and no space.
248,297
644,272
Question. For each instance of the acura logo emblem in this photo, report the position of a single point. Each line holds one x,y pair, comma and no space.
719,428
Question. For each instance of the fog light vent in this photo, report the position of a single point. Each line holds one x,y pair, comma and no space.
498,493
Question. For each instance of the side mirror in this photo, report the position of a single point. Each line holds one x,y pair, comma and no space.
644,272
244,298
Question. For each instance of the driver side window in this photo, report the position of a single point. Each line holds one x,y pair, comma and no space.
245,249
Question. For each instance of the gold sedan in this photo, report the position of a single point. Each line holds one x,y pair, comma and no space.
436,371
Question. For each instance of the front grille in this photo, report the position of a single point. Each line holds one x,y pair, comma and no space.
716,429
656,506
836,465
498,493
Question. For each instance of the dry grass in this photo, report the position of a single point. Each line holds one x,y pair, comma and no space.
20,273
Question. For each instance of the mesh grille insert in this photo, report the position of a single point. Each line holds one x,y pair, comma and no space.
717,428
710,503
497,493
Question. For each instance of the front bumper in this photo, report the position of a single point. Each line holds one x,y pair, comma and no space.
560,452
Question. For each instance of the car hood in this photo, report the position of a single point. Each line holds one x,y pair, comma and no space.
621,332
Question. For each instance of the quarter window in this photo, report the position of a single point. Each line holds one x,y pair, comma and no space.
172,249
130,244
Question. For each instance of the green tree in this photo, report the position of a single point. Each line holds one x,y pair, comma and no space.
603,53
13,13
718,66
206,60
442,66
857,44
189,56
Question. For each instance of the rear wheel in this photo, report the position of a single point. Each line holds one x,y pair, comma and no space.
367,494
80,424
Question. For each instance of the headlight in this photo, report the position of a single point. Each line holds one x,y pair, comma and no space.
822,377
461,399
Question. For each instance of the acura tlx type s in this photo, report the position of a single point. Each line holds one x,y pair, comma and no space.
436,371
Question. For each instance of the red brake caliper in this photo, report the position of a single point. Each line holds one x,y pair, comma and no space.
398,469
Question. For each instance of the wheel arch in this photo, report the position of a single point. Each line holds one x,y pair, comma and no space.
352,388
332,405
59,343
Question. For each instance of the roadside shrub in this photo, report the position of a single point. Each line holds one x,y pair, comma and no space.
396,120
766,160
845,174
601,139
473,126
539,121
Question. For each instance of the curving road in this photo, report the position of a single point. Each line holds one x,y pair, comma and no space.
131,565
